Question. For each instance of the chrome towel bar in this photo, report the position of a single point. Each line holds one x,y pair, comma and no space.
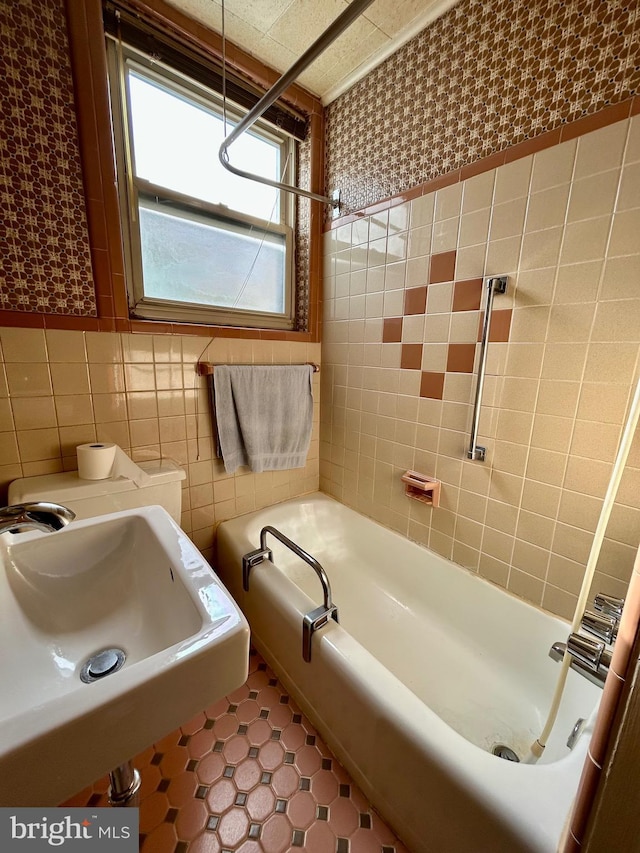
495,284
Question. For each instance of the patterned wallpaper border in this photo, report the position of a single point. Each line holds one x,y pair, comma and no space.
513,69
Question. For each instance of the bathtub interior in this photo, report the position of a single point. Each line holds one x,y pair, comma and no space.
474,654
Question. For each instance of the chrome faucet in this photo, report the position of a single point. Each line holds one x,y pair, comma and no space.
38,515
590,657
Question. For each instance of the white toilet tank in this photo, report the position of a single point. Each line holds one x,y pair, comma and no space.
88,498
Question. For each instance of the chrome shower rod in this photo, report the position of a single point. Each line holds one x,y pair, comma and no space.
344,20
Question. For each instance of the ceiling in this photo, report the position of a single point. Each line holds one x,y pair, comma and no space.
279,31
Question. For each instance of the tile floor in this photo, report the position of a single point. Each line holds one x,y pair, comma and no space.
249,774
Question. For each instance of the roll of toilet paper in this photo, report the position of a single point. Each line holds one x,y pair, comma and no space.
95,461
102,461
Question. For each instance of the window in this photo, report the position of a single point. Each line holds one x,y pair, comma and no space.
201,244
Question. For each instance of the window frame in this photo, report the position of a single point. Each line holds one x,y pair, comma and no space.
120,59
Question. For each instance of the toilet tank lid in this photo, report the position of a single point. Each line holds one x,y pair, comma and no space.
68,486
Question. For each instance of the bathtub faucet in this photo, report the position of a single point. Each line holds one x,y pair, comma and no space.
590,657
315,619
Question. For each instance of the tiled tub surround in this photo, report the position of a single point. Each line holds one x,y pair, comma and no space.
249,774
485,76
59,389
563,224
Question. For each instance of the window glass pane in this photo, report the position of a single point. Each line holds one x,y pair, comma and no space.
176,142
193,258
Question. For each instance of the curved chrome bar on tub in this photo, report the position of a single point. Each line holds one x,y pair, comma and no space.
315,619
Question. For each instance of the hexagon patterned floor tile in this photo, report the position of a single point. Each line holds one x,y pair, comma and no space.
249,774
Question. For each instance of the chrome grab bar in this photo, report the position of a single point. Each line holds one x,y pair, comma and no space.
495,284
315,619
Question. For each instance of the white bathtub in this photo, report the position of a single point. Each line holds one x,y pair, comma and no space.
428,669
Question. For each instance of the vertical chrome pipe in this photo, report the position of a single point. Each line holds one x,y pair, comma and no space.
495,284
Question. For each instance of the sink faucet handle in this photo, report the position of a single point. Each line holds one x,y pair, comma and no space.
603,626
609,605
34,515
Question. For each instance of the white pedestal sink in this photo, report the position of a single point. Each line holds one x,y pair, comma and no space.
132,581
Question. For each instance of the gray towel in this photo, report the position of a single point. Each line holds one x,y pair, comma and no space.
263,414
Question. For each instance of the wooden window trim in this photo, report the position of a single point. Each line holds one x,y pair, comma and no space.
89,67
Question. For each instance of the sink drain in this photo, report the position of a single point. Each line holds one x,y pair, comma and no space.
505,752
101,664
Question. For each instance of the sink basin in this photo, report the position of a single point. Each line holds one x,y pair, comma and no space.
132,581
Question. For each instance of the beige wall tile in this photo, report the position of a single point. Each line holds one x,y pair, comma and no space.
23,345
617,321
585,241
421,211
541,249
502,257
557,398
74,410
595,440
624,232
525,586
547,209
587,475
593,196
33,413
553,166
620,278
600,150
37,444
71,437
535,287
474,228
507,219
470,261
571,323
28,379
578,282
546,466
558,601
493,570
448,202
629,190
565,574
541,498
501,516
535,529
69,378
564,362
512,180
552,433
477,192
530,559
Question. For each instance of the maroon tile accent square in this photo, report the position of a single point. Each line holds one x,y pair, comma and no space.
432,385
500,327
467,295
411,356
415,300
392,330
442,267
460,358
